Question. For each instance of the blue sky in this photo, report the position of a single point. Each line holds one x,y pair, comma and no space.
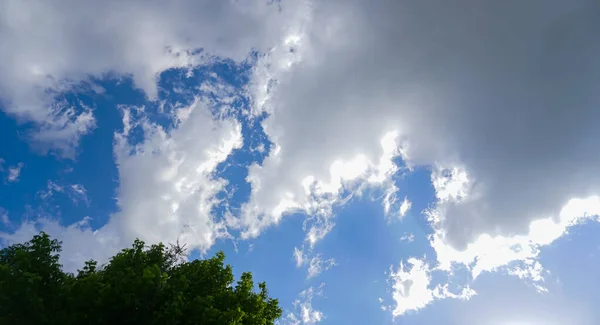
382,163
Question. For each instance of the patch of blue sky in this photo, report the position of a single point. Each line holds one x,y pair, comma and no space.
269,258
364,244
574,262
94,167
416,186
25,198
235,168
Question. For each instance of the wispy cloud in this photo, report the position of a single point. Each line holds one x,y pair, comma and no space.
408,237
316,263
304,313
14,172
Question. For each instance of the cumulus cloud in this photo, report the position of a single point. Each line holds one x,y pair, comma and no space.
49,47
167,189
278,189
51,188
404,207
506,111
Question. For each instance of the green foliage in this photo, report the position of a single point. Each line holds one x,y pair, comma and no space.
139,285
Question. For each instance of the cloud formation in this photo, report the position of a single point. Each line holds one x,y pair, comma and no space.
512,106
49,47
167,189
412,289
503,113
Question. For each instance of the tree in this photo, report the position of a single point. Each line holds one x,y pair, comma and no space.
139,285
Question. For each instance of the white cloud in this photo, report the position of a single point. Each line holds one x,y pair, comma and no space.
80,242
299,256
304,313
75,192
279,189
48,47
78,193
504,113
411,287
61,128
14,172
167,187
166,191
51,188
516,253
404,207
408,237
412,290
317,265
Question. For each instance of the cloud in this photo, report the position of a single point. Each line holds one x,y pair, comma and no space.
78,193
404,207
299,257
80,242
516,253
304,313
50,47
502,300
75,192
14,172
167,188
408,237
61,128
316,263
279,189
503,113
412,290
51,188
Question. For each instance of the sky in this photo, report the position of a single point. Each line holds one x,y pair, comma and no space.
375,162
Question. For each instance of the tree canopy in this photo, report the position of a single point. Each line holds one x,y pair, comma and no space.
139,285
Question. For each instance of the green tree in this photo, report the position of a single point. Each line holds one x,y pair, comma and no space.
139,285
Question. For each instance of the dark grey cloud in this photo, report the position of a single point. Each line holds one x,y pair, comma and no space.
508,89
